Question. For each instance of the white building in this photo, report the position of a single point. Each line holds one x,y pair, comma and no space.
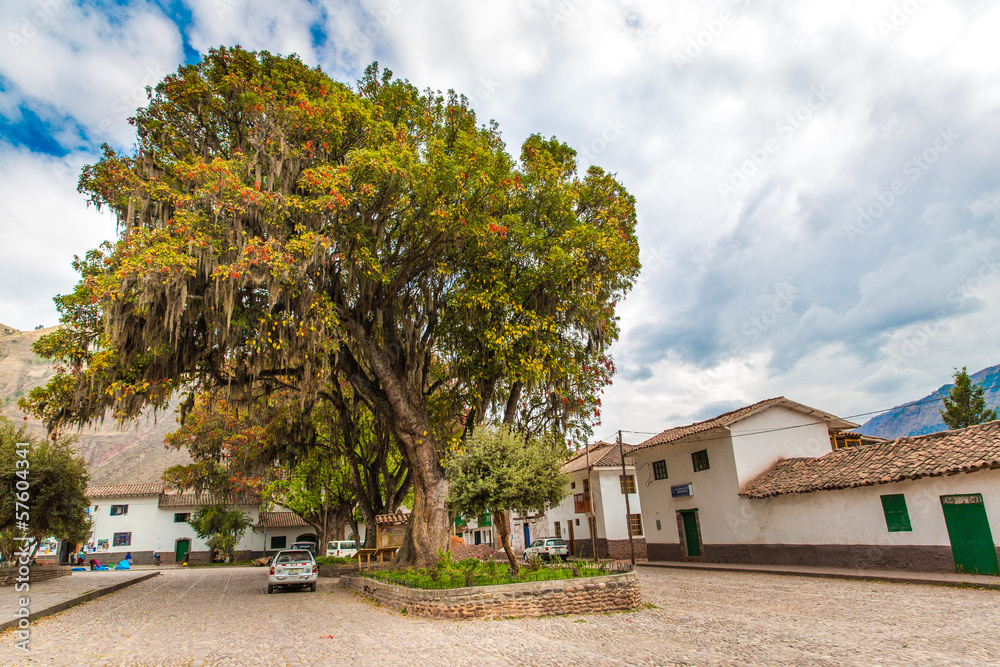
597,495
773,483
142,519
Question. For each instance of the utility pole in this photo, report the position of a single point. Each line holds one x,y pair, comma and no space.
628,507
591,518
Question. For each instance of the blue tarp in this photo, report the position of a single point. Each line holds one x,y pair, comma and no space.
122,565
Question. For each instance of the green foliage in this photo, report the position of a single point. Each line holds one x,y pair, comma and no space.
501,470
965,404
534,563
447,573
220,527
334,560
56,496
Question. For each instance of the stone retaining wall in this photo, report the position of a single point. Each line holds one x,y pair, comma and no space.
38,573
614,592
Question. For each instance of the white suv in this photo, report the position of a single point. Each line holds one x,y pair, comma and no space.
547,548
341,548
292,568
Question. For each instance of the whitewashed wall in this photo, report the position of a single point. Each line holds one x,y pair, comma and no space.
763,438
153,528
565,512
140,521
610,512
715,490
855,516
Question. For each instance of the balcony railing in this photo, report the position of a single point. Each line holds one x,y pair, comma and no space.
581,502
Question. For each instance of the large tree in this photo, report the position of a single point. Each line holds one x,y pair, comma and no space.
279,230
965,404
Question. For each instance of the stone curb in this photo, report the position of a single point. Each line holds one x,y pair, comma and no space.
79,599
888,577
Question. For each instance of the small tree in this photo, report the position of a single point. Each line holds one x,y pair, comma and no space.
965,404
501,471
56,495
221,528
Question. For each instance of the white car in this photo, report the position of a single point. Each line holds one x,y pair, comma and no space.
547,548
292,568
341,548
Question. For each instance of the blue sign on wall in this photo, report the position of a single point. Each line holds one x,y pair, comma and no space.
680,491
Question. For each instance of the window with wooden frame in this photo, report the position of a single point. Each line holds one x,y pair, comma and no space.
558,530
181,517
635,524
699,460
660,469
627,481
122,540
897,519
118,510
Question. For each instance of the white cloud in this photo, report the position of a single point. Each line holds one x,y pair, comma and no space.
44,222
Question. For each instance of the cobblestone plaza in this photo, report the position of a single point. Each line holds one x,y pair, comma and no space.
214,616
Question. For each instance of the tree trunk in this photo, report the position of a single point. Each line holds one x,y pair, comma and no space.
402,396
501,520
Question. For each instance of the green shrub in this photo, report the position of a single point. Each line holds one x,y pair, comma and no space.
333,560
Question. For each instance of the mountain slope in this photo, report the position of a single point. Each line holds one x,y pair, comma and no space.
135,454
922,416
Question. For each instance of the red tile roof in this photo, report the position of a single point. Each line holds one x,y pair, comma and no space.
729,418
400,518
602,455
198,500
280,520
124,490
945,453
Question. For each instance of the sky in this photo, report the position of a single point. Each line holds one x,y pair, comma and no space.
818,183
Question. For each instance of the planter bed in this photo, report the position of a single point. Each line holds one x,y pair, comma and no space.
582,595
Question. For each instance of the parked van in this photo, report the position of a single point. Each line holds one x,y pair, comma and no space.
341,548
311,547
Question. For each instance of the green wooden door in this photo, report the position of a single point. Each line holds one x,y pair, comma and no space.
183,546
690,519
969,532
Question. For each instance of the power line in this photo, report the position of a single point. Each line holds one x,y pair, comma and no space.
936,399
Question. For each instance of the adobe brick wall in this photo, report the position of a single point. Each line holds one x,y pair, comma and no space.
614,592
38,573
928,558
611,549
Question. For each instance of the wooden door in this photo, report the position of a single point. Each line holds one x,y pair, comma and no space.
691,538
181,549
572,539
969,532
